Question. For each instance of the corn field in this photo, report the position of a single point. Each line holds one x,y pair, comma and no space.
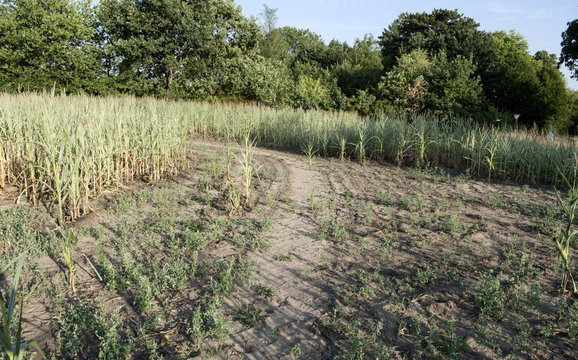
66,150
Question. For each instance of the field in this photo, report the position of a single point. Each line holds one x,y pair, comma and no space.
161,230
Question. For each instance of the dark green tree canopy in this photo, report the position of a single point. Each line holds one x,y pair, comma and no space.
445,31
45,43
442,30
569,55
158,41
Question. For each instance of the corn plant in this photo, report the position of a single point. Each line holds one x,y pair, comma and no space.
246,161
69,239
568,234
309,149
11,342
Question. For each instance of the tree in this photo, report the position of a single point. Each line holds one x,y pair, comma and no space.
259,79
532,86
274,46
552,98
160,42
569,54
360,68
444,31
46,43
433,83
269,19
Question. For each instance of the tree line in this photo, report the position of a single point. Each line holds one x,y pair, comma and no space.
438,62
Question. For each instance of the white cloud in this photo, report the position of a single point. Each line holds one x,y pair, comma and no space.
502,9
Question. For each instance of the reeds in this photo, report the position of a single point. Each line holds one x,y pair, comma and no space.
526,156
67,150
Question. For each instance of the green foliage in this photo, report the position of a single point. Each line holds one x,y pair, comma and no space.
273,46
361,67
311,93
440,30
437,62
569,53
46,44
175,46
489,297
472,72
91,333
12,345
259,79
405,86
444,86
532,86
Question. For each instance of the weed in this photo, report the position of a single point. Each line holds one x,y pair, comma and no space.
384,197
521,341
223,284
207,323
264,291
145,294
425,277
451,343
452,225
339,233
89,333
495,200
568,311
489,297
250,315
423,338
297,350
283,258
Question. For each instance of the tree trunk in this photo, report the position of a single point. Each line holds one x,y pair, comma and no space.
169,75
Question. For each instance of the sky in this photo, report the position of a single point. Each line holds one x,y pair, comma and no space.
540,22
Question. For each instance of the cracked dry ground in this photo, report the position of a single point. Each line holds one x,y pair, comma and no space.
333,260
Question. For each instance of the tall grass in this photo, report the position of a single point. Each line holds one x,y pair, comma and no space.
528,156
67,150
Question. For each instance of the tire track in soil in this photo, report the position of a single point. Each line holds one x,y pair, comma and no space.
300,296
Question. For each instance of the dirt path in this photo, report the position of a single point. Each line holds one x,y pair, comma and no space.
289,267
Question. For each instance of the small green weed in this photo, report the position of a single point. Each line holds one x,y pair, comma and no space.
489,297
250,315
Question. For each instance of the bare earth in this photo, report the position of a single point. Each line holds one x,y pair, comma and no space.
337,259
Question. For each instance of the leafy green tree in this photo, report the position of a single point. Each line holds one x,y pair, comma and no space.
274,46
305,46
532,86
569,54
259,79
269,19
552,98
46,43
405,86
444,31
313,93
422,83
573,109
453,87
361,68
162,42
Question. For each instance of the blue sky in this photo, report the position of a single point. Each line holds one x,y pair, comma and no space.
540,22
